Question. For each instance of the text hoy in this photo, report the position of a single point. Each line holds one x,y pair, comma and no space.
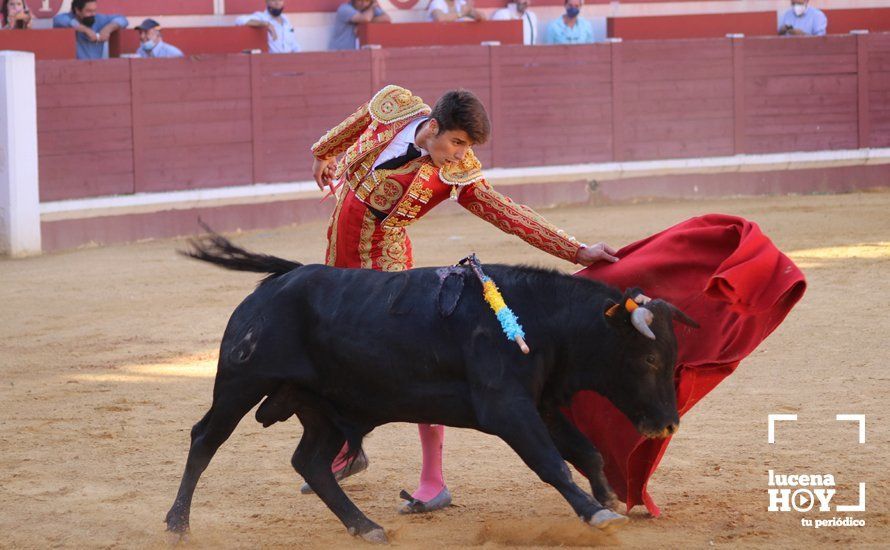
804,499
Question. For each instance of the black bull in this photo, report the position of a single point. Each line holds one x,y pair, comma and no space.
348,350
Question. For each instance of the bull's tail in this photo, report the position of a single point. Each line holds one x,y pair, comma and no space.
216,249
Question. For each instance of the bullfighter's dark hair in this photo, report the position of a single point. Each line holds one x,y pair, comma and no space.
462,110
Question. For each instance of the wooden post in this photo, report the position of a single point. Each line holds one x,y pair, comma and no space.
862,84
618,153
494,73
738,92
256,119
137,125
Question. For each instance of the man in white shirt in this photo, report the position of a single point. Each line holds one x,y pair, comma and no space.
518,9
282,38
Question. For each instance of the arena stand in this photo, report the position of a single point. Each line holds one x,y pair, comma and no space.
130,149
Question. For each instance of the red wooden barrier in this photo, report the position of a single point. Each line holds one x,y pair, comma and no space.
196,40
710,25
153,8
192,122
405,35
45,43
555,102
878,86
296,99
870,19
84,128
120,126
676,99
801,94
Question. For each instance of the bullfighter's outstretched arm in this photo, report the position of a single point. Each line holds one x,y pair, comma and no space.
517,219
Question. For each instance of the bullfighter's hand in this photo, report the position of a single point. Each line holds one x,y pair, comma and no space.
596,253
323,172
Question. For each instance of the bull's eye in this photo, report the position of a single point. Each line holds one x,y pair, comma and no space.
650,360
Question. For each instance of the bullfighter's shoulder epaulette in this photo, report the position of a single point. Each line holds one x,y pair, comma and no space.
465,172
394,103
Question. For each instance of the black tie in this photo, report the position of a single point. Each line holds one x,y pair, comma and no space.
393,163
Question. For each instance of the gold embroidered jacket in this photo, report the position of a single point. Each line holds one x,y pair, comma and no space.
406,194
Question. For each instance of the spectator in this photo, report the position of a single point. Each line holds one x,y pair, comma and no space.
349,16
571,28
802,20
518,9
282,38
152,45
93,29
454,10
15,15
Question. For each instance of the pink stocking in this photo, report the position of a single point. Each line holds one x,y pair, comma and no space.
431,479
340,460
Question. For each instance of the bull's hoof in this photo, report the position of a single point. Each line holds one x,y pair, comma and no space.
608,521
376,536
175,539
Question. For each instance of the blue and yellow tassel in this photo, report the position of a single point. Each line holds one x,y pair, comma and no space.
509,322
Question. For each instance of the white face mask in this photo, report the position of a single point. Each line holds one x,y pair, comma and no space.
799,9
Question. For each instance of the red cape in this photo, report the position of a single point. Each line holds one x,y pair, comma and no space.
728,276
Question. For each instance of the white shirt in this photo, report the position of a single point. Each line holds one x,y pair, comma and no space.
442,6
285,37
529,22
399,145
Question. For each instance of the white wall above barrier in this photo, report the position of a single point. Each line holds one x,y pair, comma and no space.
19,197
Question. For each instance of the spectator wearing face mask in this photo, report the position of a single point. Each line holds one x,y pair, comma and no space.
282,38
571,28
802,20
93,29
518,9
15,15
151,44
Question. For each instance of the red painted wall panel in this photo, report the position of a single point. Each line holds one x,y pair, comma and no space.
801,94
710,25
555,103
121,126
298,97
44,43
677,99
196,40
879,89
193,122
156,7
84,129
844,21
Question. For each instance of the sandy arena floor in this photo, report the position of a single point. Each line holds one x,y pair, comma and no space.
108,356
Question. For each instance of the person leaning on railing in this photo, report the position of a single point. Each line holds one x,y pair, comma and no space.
93,29
454,10
349,16
15,15
282,36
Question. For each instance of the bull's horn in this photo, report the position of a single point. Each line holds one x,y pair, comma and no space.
641,319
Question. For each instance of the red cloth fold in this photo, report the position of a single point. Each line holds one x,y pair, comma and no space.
728,276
